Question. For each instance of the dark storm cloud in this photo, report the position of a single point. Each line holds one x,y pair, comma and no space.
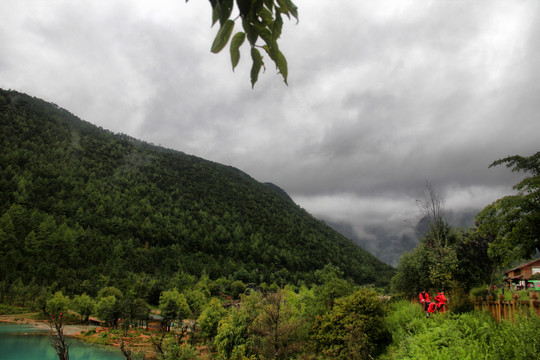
382,97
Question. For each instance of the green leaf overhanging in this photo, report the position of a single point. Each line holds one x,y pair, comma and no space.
222,36
236,42
257,64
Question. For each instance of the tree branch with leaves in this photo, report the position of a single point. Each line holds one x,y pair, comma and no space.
262,23
514,220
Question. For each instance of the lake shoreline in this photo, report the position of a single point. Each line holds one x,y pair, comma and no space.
75,331
69,330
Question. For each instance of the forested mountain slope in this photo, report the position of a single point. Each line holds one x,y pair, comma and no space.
79,204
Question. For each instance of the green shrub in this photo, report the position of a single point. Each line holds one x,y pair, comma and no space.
461,302
480,291
237,288
90,332
353,329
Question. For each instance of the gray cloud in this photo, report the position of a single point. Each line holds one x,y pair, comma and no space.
382,95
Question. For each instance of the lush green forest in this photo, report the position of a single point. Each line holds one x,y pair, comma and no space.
82,208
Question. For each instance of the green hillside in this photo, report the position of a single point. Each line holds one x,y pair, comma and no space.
82,206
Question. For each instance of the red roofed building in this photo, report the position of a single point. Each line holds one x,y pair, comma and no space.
519,276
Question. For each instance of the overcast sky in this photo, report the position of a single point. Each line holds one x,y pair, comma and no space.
382,97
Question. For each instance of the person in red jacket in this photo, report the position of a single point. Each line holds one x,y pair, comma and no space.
424,299
440,299
431,308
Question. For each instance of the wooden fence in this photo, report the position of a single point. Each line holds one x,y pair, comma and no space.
504,309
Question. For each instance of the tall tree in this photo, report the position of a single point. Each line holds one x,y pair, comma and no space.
84,305
433,262
210,318
475,267
109,309
514,220
432,207
233,336
58,304
412,274
331,286
277,329
173,306
439,240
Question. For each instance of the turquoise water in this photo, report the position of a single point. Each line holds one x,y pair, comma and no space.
16,346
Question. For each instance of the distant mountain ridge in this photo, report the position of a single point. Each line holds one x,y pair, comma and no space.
388,244
80,202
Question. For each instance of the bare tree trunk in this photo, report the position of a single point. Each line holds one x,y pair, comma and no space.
125,350
157,343
432,207
58,340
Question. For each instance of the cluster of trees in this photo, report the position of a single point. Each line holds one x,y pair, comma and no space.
82,208
334,318
281,326
506,231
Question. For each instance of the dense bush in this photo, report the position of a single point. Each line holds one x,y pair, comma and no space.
353,328
461,301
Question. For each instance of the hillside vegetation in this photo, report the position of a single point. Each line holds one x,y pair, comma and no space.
84,208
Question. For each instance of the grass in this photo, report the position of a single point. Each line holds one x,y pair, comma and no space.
473,335
482,291
524,295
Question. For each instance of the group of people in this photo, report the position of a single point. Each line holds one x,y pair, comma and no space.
430,307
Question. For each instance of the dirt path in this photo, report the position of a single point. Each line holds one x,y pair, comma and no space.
69,330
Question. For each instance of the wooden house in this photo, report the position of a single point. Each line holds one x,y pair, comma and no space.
519,277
